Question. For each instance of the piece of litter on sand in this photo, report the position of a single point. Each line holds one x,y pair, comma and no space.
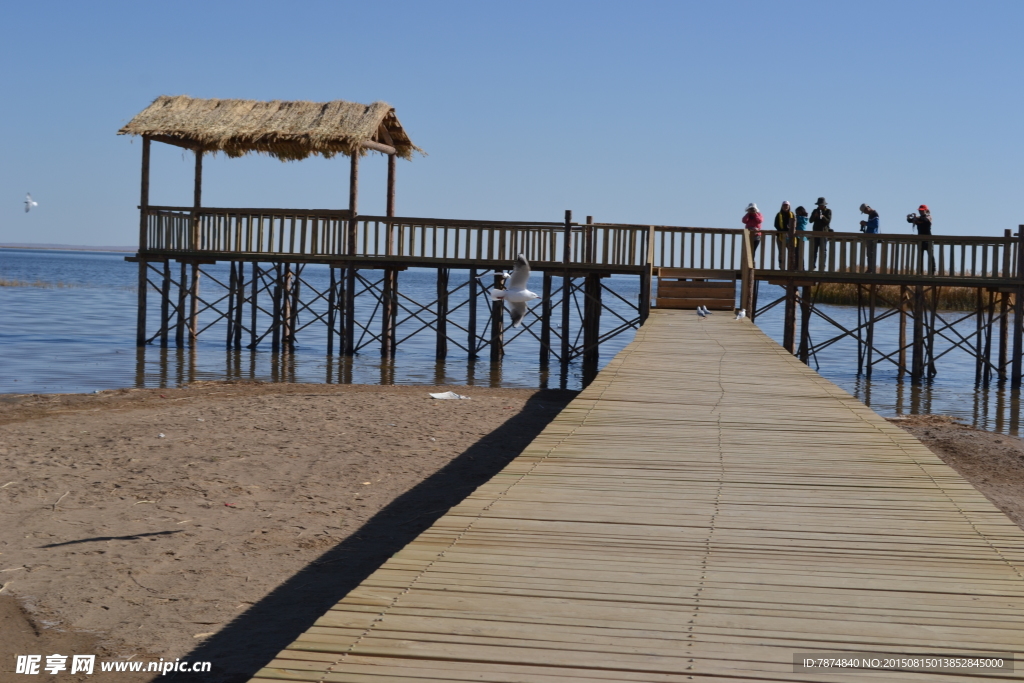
448,395
160,436
204,635
366,483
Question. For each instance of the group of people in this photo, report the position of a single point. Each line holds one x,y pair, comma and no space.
788,223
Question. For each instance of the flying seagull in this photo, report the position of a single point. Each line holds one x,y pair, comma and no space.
515,292
29,203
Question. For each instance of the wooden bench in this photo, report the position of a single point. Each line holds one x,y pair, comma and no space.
688,288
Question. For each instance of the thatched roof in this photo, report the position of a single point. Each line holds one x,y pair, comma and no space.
286,130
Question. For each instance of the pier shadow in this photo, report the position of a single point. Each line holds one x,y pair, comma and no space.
249,642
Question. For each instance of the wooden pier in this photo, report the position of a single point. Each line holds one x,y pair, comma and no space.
266,299
708,509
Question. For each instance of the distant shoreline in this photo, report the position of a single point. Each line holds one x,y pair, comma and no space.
67,247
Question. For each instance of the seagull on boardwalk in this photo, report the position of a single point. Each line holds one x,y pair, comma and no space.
29,203
700,313
704,309
741,314
515,292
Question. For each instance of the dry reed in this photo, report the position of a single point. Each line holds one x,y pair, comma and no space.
845,294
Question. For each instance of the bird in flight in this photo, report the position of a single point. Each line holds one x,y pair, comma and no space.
29,203
515,292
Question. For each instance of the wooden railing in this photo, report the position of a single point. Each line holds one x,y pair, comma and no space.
305,232
887,254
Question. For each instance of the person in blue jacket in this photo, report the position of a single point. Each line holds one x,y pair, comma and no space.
871,227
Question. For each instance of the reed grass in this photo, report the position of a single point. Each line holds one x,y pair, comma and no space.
845,294
54,285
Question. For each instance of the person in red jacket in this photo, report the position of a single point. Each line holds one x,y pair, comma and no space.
752,221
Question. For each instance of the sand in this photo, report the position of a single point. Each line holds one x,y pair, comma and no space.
218,521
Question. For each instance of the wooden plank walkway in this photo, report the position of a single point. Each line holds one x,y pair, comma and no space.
706,509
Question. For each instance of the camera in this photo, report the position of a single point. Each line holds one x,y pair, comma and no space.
911,217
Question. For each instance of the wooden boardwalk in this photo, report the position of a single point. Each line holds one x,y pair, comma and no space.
703,511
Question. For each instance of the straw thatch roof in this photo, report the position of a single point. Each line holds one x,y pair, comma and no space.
286,130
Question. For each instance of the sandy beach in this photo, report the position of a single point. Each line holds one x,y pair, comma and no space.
217,521
224,518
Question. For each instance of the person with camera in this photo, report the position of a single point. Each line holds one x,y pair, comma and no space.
923,224
752,221
871,226
821,221
785,223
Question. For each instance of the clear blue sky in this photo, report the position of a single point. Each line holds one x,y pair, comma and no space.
645,112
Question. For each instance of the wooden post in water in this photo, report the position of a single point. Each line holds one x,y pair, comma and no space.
332,316
474,283
805,324
254,296
646,278
497,323
275,323
1004,312
545,320
165,304
350,271
441,347
179,331
901,354
1018,314
239,301
388,310
566,287
143,282
917,350
591,326
193,312
979,322
197,200
230,317
872,291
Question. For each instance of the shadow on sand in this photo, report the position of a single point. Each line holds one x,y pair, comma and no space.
246,644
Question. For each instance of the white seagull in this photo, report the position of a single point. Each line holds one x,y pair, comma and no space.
705,311
740,314
700,313
29,203
515,292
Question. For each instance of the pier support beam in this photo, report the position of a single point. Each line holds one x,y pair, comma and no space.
545,321
441,346
566,288
474,286
917,350
805,324
389,313
591,326
497,323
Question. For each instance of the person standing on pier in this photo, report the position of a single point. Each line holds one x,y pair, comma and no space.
785,223
821,221
871,227
923,223
752,221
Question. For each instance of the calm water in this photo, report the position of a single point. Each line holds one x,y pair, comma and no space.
78,335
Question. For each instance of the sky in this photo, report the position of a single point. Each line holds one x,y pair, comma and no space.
670,113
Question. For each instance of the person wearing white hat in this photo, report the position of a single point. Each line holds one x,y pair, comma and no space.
752,221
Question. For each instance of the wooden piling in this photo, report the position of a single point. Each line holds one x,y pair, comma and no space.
474,342
143,275
179,328
275,322
254,305
917,350
497,324
872,292
789,321
566,288
441,344
332,314
901,353
193,313
230,317
545,320
591,326
165,304
239,302
805,324
1018,314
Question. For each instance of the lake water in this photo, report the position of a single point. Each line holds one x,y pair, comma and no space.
73,330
